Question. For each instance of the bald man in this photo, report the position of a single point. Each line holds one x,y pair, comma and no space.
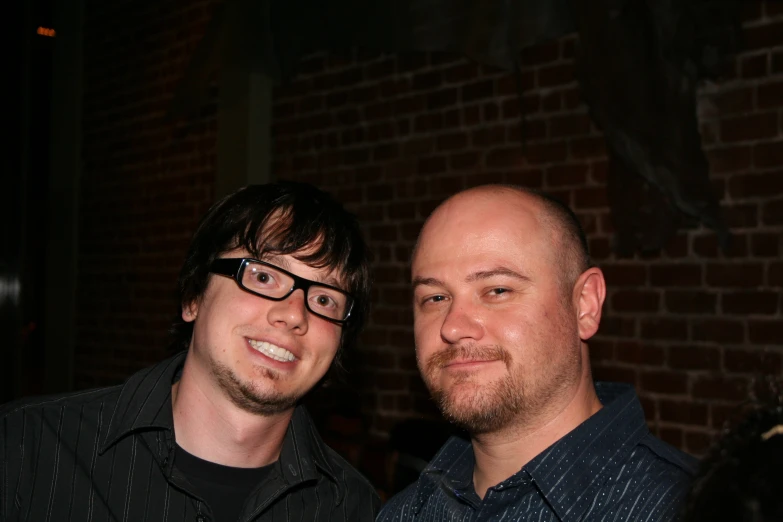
504,300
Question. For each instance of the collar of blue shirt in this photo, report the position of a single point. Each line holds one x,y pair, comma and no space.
571,471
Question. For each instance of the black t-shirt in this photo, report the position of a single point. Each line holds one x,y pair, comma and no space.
223,488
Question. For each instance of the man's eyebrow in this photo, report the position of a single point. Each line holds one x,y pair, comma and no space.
426,281
282,262
499,271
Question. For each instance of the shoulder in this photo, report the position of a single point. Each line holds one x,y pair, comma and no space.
355,484
652,483
667,456
400,506
35,407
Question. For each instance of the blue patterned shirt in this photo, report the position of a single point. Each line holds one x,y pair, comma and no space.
609,468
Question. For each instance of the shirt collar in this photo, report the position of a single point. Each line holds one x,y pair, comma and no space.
144,405
585,458
589,454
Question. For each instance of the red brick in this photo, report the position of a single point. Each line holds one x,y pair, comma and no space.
600,248
636,353
601,351
750,302
768,155
625,275
678,275
663,382
708,247
491,111
756,185
507,157
765,332
442,99
769,95
682,412
617,326
773,9
461,72
507,84
719,387
730,159
752,127
477,90
775,274
555,75
465,160
765,244
759,37
537,153
454,141
538,54
777,62
614,374
732,275
428,122
635,301
722,331
664,328
673,436
752,361
571,125
489,136
568,174
734,101
772,212
690,357
588,148
549,102
690,302
590,197
754,66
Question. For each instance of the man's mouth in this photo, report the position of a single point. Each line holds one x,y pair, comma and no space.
272,351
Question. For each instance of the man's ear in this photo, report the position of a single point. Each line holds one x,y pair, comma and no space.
190,311
589,295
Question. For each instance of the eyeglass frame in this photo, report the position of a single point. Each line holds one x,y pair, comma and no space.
234,267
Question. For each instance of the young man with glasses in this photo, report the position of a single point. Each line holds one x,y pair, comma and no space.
274,286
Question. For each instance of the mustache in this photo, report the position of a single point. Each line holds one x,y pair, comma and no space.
468,352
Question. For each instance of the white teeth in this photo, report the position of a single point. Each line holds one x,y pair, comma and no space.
272,351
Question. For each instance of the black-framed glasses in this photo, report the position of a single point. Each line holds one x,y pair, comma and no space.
272,282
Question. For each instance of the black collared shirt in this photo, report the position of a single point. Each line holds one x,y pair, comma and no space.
108,455
610,468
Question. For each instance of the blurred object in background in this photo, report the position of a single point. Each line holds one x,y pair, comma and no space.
741,479
412,444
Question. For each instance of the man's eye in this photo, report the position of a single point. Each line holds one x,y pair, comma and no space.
498,291
324,301
433,299
264,278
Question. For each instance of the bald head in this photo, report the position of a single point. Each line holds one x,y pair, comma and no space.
537,213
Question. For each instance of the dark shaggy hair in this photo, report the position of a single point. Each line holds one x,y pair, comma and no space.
283,218
741,479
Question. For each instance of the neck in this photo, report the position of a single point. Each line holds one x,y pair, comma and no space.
208,425
501,454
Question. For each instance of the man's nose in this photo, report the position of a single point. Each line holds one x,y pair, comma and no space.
461,323
290,313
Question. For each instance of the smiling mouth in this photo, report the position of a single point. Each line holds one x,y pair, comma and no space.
270,350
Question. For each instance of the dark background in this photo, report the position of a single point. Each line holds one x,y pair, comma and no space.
101,192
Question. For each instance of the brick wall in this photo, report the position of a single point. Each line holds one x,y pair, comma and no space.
146,182
392,136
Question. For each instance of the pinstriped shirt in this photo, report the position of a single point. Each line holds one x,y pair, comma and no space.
108,455
609,468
